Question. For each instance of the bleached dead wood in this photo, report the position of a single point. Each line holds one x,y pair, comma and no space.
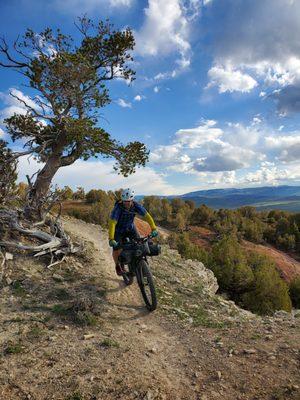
56,243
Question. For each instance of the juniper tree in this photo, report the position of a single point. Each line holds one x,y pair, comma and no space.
69,81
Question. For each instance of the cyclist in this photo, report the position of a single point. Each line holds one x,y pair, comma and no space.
121,223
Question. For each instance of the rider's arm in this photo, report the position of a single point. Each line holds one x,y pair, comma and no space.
113,220
141,210
111,228
150,220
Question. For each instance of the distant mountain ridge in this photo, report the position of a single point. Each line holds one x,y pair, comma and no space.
279,191
267,197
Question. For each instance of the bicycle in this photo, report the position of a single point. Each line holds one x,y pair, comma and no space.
133,260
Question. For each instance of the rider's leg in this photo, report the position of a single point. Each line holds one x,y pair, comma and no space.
116,254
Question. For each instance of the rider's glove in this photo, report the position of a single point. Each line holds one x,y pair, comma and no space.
113,243
154,233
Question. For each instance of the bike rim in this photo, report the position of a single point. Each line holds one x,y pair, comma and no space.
147,289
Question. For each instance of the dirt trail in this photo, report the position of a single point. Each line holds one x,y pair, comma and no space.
131,354
154,351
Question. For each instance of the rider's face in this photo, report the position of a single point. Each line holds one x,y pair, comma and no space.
127,204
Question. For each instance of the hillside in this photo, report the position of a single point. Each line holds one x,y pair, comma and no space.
263,198
75,332
288,266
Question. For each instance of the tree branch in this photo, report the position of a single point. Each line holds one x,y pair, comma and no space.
16,64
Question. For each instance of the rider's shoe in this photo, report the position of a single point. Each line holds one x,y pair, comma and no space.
119,269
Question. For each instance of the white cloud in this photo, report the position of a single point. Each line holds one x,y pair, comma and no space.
287,147
123,103
268,53
280,142
195,137
13,105
2,133
208,148
156,89
139,97
165,154
267,175
229,80
166,31
99,174
237,133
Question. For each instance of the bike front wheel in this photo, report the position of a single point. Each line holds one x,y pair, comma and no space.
146,284
127,276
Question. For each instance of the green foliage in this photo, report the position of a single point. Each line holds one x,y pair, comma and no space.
286,241
79,194
295,292
8,174
93,196
71,85
252,281
186,248
66,193
108,342
202,215
14,348
229,264
101,204
270,292
252,230
177,204
75,396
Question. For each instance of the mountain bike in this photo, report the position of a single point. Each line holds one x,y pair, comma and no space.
133,260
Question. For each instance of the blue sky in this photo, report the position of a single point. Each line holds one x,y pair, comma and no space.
216,97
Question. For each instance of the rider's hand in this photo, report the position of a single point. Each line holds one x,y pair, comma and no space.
154,233
113,243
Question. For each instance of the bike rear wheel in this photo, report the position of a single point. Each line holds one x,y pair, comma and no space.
146,284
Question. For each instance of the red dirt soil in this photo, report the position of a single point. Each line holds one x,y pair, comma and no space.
142,227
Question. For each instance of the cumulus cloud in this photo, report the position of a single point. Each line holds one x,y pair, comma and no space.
14,106
166,31
165,154
229,80
100,174
288,99
208,148
218,162
287,147
123,103
259,51
195,137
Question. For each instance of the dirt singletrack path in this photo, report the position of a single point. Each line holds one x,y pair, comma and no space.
156,356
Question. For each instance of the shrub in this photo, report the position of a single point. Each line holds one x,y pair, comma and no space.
252,230
295,292
270,292
229,264
286,241
186,248
202,215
